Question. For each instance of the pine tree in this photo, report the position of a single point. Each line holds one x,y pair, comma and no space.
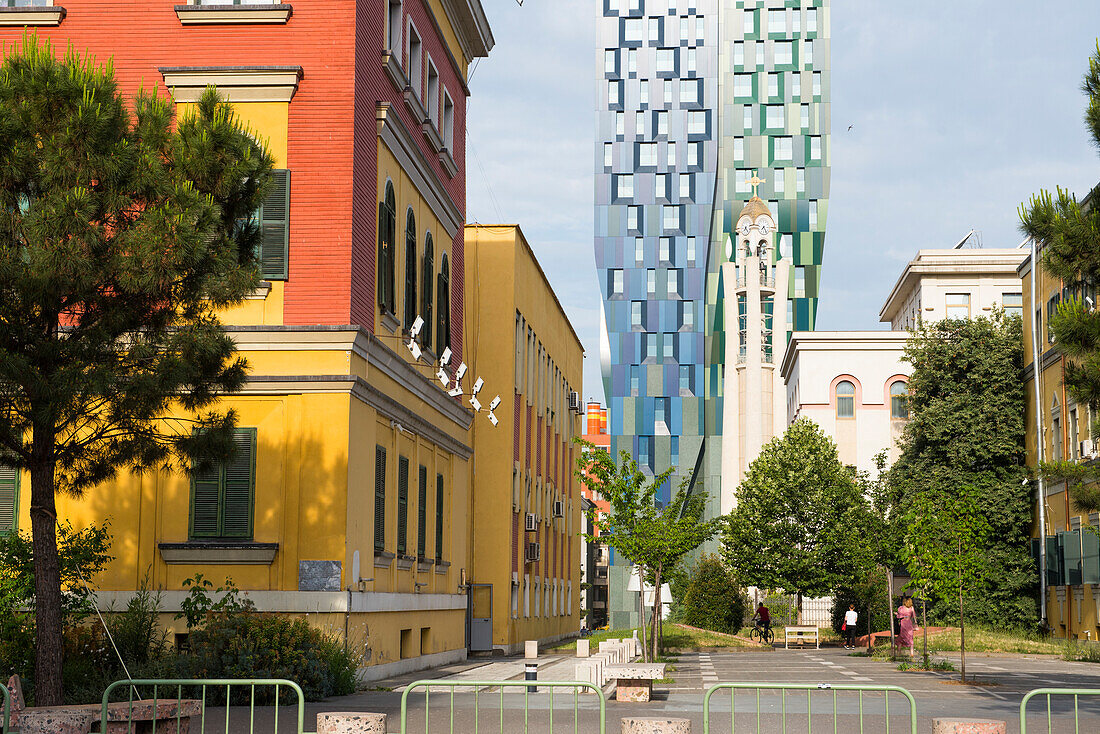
1070,235
121,236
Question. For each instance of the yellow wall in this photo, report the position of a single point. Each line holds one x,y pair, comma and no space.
1060,513
503,277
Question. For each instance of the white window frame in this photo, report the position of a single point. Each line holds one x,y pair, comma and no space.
415,68
448,130
394,15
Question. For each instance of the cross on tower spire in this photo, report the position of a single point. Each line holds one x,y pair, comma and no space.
754,182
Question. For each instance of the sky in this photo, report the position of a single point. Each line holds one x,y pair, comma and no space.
959,110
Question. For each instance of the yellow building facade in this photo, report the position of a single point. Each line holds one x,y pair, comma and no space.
526,529
350,498
1058,429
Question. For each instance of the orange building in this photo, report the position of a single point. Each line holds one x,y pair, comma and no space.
597,556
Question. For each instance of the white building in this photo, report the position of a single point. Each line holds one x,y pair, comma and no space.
852,384
957,283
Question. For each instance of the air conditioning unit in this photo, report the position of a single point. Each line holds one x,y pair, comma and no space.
1088,449
559,508
575,402
533,552
530,522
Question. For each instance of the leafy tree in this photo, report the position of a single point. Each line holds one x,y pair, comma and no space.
801,519
1070,235
966,428
945,544
713,599
121,236
654,538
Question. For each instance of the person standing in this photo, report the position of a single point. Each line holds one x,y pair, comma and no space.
907,623
850,618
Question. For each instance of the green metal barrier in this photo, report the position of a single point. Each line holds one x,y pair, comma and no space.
810,688
5,723
1060,692
241,690
550,686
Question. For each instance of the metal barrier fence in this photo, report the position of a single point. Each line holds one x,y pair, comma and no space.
6,721
477,686
810,689
203,691
1061,693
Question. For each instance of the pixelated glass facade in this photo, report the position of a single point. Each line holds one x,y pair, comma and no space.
692,97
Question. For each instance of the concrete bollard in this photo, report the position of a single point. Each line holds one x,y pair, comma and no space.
655,725
531,649
584,648
350,722
966,726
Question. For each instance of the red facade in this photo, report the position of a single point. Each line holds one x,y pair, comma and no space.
332,135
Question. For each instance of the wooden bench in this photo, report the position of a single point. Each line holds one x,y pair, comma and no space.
634,681
800,633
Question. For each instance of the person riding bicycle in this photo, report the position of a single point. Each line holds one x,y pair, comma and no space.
762,620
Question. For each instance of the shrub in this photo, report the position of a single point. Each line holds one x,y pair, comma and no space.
713,599
868,593
261,646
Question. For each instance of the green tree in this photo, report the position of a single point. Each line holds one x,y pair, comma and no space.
1069,233
801,521
121,236
654,537
966,427
945,544
713,599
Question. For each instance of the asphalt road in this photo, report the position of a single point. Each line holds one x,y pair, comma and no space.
1008,678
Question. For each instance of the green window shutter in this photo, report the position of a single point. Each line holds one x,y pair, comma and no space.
275,228
206,503
239,486
402,504
1090,561
422,514
1071,543
9,498
379,498
438,517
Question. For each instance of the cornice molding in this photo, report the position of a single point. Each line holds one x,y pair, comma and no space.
44,15
234,83
220,14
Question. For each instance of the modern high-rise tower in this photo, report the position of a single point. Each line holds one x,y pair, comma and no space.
695,97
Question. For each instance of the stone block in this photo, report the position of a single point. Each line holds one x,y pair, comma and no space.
655,725
584,648
350,722
633,690
531,649
587,671
15,688
968,726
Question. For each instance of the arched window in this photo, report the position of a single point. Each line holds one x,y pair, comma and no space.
443,303
899,400
845,399
410,269
387,236
427,272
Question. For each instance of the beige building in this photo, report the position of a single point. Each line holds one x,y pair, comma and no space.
853,385
956,283
754,283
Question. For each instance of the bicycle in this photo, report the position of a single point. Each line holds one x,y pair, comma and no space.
762,634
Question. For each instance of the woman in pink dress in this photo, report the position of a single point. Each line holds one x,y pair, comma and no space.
907,622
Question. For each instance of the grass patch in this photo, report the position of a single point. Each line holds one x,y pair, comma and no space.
938,665
1082,652
688,639
597,637
982,640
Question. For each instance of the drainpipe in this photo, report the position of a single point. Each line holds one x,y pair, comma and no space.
1041,499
